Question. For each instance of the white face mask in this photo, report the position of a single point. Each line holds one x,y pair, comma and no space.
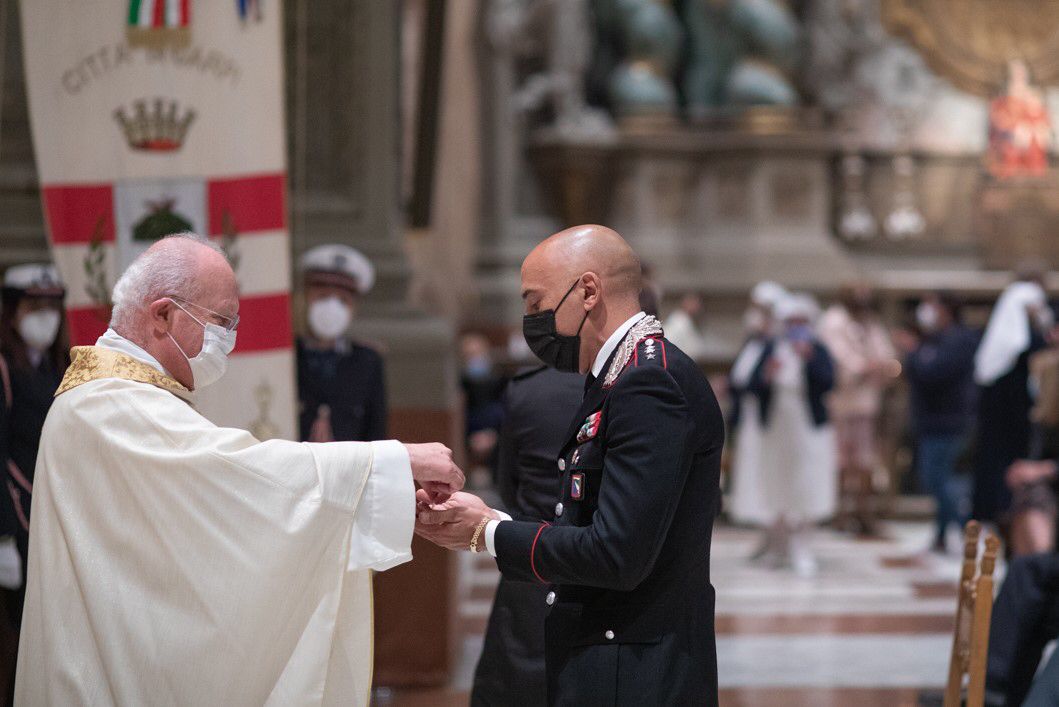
212,361
329,318
39,329
927,317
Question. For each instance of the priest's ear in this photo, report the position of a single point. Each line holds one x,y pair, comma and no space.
160,314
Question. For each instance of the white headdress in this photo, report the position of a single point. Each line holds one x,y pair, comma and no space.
1008,332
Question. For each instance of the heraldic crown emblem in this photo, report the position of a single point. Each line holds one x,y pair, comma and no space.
160,128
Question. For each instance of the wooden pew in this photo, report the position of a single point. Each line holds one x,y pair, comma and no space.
970,643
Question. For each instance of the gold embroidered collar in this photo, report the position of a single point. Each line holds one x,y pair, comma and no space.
91,363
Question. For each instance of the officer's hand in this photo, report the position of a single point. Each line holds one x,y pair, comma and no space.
433,468
451,524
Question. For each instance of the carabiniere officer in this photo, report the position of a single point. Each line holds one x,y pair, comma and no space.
626,560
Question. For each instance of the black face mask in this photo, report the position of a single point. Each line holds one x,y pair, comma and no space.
561,352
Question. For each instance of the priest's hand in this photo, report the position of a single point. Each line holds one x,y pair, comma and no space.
433,468
452,524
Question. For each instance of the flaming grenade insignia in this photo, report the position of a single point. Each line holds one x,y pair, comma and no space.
156,130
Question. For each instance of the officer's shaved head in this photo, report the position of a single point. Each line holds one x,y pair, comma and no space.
569,254
600,276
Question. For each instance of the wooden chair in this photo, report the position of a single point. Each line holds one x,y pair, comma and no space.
970,643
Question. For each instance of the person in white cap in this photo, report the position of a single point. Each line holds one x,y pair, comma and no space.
866,366
341,383
33,357
744,415
794,483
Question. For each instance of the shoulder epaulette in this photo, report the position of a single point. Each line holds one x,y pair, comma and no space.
650,350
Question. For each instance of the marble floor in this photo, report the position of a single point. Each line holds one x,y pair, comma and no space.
872,628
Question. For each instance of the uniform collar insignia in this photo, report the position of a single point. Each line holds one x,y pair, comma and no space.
649,326
91,363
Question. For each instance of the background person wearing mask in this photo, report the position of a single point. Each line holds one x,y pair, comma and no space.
798,485
1001,370
864,366
483,389
939,365
341,384
35,353
749,478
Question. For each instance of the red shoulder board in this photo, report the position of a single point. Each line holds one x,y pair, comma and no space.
651,350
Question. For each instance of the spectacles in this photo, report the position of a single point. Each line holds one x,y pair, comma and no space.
230,324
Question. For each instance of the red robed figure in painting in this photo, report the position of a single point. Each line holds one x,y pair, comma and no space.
1020,131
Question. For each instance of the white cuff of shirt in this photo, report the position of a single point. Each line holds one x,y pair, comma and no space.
490,531
385,517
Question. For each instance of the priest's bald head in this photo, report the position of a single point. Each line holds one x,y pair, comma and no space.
578,287
166,299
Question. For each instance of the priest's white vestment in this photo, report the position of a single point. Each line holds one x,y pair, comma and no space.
174,562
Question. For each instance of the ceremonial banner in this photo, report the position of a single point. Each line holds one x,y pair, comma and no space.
156,116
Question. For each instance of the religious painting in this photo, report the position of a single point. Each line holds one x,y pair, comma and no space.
1020,130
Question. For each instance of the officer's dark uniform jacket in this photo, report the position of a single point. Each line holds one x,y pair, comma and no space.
350,381
627,558
511,668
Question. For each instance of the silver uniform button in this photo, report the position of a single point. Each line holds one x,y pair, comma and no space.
550,599
558,509
609,635
562,465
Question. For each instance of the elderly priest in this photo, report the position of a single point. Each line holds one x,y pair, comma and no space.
174,562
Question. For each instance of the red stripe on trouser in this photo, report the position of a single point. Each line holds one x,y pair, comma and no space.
185,13
249,203
75,213
264,324
18,476
16,498
159,14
